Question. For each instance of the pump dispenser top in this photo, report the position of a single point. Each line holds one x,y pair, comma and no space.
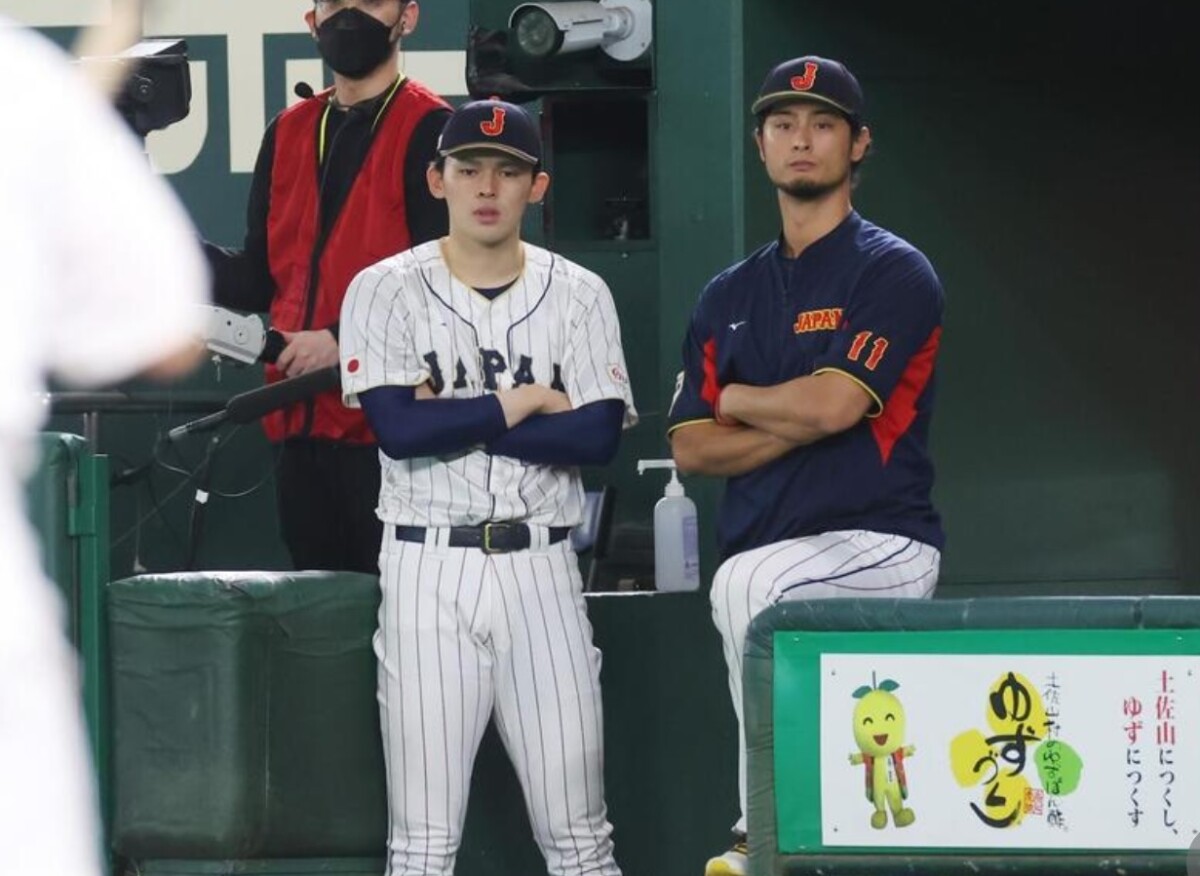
676,549
674,487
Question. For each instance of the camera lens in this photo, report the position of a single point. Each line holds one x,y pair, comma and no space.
537,34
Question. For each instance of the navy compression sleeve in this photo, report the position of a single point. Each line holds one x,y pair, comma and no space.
585,436
407,428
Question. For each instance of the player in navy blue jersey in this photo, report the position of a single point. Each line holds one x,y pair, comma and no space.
808,382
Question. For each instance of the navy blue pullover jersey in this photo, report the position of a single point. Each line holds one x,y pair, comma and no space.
864,303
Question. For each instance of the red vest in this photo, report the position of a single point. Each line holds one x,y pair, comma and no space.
897,757
370,226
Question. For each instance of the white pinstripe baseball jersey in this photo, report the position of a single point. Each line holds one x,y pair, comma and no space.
408,320
466,635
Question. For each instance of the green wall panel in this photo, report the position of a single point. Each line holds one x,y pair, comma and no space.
700,144
1052,183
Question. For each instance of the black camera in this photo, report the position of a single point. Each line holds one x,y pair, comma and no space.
158,90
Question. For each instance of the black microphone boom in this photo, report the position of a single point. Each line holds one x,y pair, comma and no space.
248,406
203,424
303,90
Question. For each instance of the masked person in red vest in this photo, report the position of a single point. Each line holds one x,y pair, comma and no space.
339,184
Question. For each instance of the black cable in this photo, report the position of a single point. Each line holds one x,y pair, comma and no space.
241,494
129,473
271,472
158,509
163,440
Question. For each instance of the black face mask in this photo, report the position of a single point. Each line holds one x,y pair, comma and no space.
353,43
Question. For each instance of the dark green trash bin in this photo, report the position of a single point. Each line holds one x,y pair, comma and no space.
244,716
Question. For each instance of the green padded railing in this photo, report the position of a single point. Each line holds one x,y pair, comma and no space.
67,503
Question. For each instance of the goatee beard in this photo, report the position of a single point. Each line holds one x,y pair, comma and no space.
810,191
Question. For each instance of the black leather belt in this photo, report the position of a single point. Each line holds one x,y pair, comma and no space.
491,538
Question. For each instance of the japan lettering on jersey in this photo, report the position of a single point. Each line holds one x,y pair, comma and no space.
407,321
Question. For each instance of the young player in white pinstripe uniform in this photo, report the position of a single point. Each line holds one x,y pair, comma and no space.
490,370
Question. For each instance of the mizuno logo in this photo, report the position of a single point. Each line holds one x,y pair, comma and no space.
734,326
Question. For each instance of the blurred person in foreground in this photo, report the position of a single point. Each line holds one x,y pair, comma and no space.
101,277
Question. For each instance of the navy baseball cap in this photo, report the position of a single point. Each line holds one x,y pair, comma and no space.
492,124
812,78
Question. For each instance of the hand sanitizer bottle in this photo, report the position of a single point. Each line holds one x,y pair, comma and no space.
676,547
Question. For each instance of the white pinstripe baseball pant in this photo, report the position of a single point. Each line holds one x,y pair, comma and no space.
843,564
463,636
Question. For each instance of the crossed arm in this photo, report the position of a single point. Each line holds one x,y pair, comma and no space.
759,424
533,423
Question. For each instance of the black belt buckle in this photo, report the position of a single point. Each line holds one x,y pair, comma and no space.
499,531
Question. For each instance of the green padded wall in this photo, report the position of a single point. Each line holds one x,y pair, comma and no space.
244,722
246,730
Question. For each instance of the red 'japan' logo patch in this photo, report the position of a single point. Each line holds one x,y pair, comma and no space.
352,366
808,80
